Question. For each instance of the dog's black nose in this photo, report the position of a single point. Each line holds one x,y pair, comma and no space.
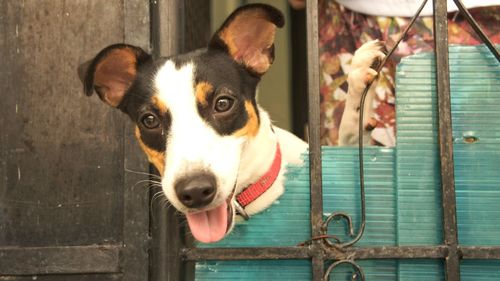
196,191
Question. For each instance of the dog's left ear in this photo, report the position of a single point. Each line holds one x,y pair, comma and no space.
247,36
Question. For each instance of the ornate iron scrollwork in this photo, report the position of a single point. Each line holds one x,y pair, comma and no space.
358,271
337,243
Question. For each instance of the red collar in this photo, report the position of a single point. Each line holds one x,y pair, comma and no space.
253,191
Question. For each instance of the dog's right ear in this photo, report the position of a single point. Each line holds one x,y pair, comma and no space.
111,73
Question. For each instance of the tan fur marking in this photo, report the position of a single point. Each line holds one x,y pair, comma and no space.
252,126
160,105
202,90
154,157
227,36
252,52
115,74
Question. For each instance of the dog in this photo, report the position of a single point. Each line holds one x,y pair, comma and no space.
197,120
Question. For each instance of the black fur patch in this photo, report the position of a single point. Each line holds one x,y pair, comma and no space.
227,78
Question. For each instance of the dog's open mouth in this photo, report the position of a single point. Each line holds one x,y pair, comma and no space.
210,226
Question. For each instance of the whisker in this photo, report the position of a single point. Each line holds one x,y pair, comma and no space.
153,214
156,196
147,183
142,173
165,203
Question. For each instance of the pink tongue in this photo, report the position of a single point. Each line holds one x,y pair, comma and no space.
209,226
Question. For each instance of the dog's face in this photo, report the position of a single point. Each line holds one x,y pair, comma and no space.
194,112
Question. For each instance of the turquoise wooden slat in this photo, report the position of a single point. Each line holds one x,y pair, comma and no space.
477,164
417,164
287,222
473,270
475,92
402,184
284,270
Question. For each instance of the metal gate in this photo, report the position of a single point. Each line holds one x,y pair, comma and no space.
326,257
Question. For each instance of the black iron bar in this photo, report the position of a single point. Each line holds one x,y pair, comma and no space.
463,10
167,39
383,252
388,252
314,119
314,137
450,235
267,253
479,252
393,49
357,274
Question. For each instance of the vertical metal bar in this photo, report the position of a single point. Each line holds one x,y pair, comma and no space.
136,204
167,29
196,32
314,136
452,262
166,240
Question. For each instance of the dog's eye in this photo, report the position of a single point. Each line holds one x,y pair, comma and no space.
223,104
150,121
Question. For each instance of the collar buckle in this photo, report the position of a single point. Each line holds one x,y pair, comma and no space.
240,210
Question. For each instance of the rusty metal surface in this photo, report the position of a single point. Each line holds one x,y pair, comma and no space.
314,136
247,253
331,253
450,232
479,252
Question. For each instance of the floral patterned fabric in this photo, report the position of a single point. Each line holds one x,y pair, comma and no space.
342,31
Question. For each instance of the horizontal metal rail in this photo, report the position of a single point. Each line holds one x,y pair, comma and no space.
479,252
330,253
267,253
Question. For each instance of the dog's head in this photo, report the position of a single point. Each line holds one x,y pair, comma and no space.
194,112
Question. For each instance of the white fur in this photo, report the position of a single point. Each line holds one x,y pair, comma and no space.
192,145
258,155
358,77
